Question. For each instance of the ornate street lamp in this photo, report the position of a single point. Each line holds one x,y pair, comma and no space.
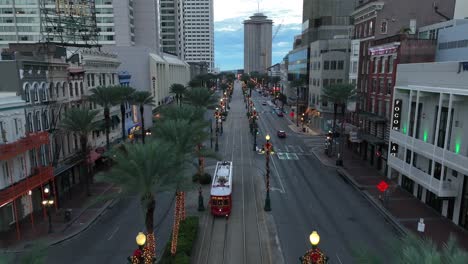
48,202
268,150
314,255
138,254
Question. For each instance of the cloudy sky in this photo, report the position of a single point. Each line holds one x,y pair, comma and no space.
229,31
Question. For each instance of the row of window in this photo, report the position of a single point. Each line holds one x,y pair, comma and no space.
453,44
325,82
332,65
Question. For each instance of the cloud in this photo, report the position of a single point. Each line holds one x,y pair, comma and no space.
282,44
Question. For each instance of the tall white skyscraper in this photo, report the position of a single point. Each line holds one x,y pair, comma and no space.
199,31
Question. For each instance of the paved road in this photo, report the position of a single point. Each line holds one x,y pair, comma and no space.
308,196
111,239
243,237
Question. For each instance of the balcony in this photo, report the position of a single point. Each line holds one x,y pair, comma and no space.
31,141
430,151
41,175
440,188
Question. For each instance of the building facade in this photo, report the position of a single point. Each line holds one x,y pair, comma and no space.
329,64
429,143
172,27
453,43
298,77
24,168
257,43
199,31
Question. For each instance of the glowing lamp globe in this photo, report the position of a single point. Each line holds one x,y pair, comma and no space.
267,137
46,190
314,238
140,239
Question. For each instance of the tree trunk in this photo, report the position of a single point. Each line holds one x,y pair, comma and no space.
122,115
84,153
175,227
107,124
142,111
149,218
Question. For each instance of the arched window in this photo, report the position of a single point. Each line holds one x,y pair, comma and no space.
57,86
45,119
37,121
51,90
34,91
76,89
70,88
81,88
63,89
29,123
27,93
42,92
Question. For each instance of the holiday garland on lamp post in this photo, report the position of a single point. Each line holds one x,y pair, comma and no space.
145,254
177,216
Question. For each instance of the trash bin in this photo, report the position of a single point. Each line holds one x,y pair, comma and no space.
68,215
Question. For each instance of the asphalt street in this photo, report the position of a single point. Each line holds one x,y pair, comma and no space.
111,239
307,196
243,237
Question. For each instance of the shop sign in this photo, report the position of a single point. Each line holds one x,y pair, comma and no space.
393,149
396,114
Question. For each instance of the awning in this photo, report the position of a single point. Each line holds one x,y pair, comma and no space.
132,127
372,139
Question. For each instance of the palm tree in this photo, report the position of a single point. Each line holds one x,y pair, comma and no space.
245,78
80,121
143,170
124,95
105,97
178,90
195,83
200,97
411,249
339,94
250,85
142,98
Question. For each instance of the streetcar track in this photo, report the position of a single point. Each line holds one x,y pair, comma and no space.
243,204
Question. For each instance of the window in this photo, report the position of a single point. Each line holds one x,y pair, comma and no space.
354,67
389,86
340,65
37,121
70,88
390,64
104,79
57,90
383,63
325,82
374,85
34,91
371,27
412,26
29,123
76,89
93,80
81,88
26,93
326,65
381,85
376,65
383,26
3,132
16,126
45,119
63,90
339,81
333,65
88,79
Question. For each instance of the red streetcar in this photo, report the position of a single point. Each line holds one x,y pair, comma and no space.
221,189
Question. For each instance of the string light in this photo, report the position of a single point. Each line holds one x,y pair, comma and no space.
182,206
314,256
175,230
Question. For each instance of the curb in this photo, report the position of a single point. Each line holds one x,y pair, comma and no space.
383,211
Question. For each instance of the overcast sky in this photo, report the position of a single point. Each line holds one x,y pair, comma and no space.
229,31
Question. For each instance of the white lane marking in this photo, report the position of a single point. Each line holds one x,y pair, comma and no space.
278,176
276,189
300,149
286,147
113,233
339,258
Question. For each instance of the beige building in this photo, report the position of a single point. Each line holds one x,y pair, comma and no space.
257,43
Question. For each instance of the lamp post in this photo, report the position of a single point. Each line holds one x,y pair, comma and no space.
254,125
48,202
314,255
137,256
216,129
268,148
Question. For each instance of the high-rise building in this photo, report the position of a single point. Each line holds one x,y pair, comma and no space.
325,19
257,43
172,27
199,31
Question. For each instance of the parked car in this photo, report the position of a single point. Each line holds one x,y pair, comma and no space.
279,113
264,103
281,134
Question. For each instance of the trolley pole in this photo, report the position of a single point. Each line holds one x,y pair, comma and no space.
216,132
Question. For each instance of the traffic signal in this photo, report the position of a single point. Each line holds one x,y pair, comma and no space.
330,135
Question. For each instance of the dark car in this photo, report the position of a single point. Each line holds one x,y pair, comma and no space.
264,103
279,113
281,134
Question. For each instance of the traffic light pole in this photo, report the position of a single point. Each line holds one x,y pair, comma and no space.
216,131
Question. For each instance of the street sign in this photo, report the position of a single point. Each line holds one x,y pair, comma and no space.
382,186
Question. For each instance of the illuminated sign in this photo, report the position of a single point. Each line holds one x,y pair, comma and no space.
396,114
70,8
393,149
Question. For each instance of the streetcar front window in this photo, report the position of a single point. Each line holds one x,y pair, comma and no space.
226,202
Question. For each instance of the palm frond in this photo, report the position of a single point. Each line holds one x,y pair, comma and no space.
142,98
200,97
105,96
79,120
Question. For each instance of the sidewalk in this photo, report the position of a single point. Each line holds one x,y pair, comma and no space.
83,216
402,209
293,126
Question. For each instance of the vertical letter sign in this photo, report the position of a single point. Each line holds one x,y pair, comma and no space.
396,115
